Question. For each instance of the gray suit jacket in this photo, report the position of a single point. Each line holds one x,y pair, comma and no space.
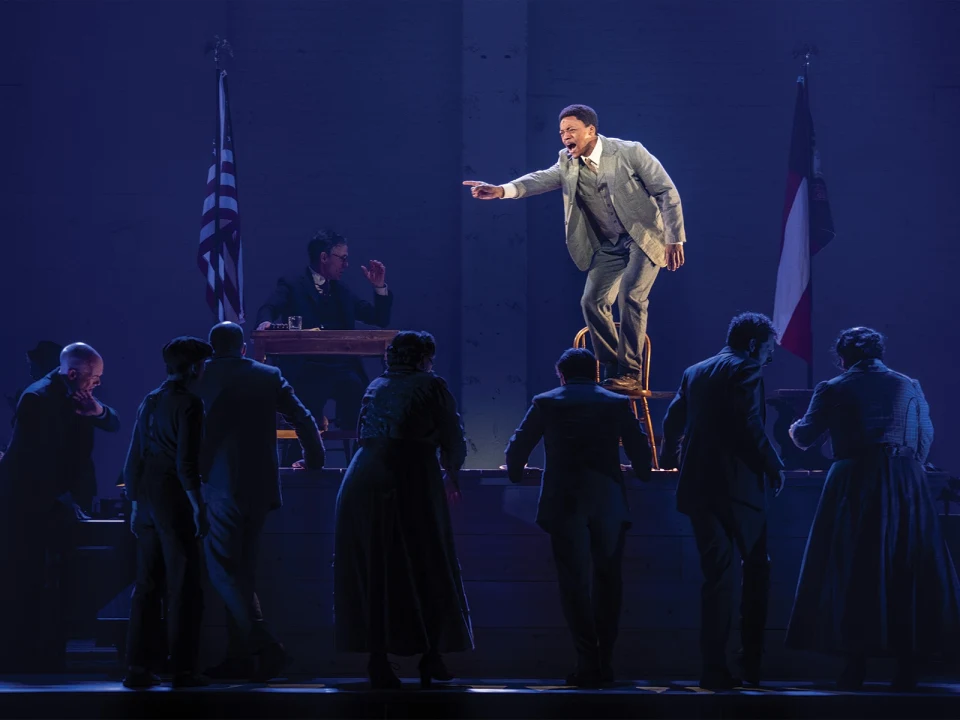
643,195
238,457
581,425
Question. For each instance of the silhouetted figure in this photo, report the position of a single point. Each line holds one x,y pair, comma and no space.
397,584
241,485
168,516
583,501
49,455
42,360
714,431
317,295
877,578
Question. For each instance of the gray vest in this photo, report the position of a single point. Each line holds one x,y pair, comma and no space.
594,196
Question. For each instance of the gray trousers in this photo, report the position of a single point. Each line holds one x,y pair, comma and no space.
623,271
232,548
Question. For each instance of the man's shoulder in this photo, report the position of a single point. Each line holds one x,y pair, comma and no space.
292,278
548,395
581,393
707,364
44,387
221,371
261,370
619,144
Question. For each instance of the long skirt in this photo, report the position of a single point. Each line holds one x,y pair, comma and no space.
877,578
397,582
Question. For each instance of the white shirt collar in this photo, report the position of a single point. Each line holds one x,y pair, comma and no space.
594,157
318,279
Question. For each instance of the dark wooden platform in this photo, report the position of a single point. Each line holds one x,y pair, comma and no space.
98,697
510,582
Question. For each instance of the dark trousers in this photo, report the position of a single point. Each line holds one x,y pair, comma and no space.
318,383
716,533
589,559
168,552
232,551
37,551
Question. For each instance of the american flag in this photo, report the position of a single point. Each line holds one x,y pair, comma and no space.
807,228
220,256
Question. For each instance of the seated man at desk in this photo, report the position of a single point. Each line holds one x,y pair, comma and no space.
322,301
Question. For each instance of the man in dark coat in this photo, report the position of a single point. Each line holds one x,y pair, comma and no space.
322,301
714,429
239,459
168,516
42,360
583,501
49,457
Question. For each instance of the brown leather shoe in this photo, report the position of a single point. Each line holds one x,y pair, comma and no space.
630,382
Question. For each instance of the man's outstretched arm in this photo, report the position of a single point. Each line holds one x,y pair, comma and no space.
533,183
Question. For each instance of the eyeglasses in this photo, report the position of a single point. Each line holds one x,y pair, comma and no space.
343,258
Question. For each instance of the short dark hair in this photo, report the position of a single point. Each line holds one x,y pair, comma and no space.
859,343
183,352
584,113
46,355
749,326
226,338
409,347
577,364
323,242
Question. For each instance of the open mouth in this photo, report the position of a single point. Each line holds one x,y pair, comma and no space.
571,146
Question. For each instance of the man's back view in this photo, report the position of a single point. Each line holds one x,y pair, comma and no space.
714,431
583,502
241,485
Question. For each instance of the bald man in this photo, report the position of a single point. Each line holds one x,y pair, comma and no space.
48,461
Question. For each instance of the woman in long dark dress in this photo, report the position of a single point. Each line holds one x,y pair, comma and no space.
877,579
397,584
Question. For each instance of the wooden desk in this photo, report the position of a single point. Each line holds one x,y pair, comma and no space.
359,343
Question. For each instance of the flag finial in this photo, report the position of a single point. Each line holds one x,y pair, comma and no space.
216,46
805,52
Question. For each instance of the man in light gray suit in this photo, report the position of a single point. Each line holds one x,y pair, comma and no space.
241,485
623,223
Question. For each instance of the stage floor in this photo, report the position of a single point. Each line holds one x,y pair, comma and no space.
76,696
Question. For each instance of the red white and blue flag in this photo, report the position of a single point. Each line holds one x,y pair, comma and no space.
807,228
220,255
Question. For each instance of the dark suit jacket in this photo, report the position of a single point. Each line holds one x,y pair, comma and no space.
51,449
581,425
716,427
238,458
165,444
297,295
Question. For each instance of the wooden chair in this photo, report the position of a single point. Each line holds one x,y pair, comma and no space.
643,395
347,437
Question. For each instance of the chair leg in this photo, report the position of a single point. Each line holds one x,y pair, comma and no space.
648,426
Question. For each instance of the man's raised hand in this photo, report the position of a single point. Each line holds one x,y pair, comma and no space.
375,273
484,191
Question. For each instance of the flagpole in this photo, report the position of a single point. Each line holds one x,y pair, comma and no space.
813,346
806,51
